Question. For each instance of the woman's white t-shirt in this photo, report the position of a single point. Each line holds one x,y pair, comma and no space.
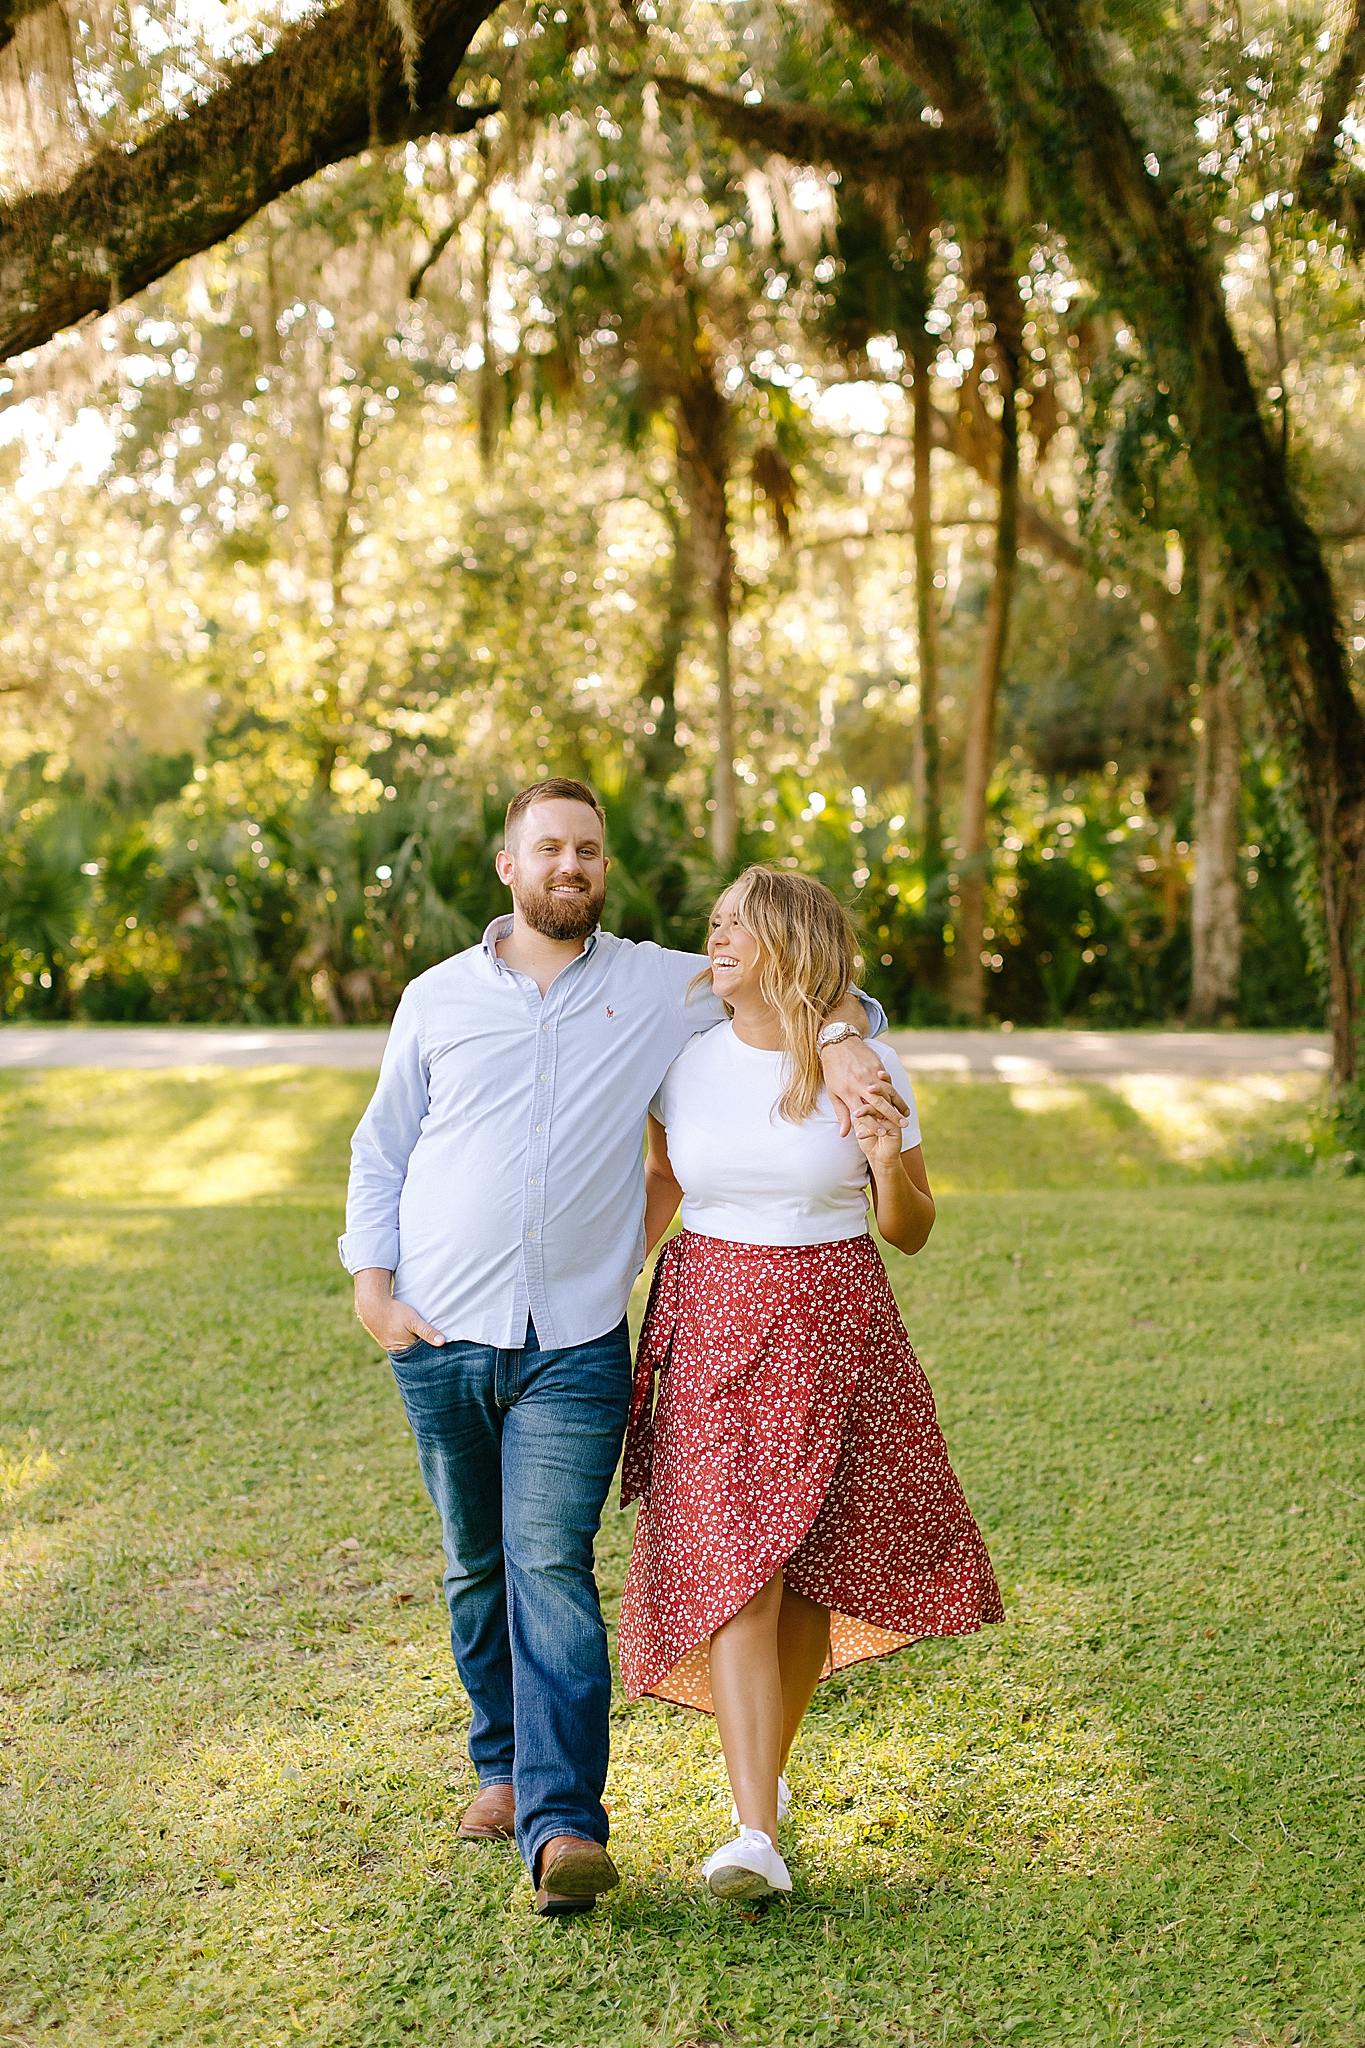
747,1174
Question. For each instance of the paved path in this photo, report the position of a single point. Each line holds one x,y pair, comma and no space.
998,1055
1104,1055
185,1045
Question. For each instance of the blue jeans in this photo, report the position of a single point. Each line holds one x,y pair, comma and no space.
517,1449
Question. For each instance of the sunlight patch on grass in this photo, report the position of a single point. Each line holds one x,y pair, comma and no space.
77,1247
188,1137
1040,1098
23,1471
997,1136
909,1777
1138,1130
239,1149
962,1782
1198,1120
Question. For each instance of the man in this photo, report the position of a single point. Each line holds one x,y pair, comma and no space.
495,1225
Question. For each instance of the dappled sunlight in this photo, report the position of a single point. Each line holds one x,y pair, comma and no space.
1042,1097
1198,1120
991,1137
907,1775
188,1137
272,1830
239,1144
235,1153
235,1742
384,1758
36,1548
22,1470
1134,1130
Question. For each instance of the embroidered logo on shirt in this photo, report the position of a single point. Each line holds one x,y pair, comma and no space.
610,1011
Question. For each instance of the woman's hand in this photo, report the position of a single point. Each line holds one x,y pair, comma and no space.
878,1129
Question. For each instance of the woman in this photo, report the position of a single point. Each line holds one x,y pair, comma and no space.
799,1511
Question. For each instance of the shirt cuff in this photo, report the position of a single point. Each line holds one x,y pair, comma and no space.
876,1015
361,1248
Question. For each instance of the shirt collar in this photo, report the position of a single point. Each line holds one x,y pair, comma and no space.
501,928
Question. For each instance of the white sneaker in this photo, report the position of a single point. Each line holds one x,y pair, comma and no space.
747,1868
784,1800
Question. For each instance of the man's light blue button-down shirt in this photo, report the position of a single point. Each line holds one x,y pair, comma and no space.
498,1172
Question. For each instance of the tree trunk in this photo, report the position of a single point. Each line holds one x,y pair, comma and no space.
326,722
1216,911
489,394
928,790
996,274
660,754
703,429
1325,182
725,823
325,92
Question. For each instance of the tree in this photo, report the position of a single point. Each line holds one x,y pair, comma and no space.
345,82
1090,175
1216,921
879,286
1154,256
883,286
995,268
662,274
676,341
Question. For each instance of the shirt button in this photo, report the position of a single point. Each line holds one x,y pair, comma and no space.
529,1235
543,1077
544,1027
539,1128
532,1183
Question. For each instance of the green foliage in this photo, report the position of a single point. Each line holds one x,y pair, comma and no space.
1280,975
140,906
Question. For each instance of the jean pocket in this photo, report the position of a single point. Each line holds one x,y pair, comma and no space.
409,1352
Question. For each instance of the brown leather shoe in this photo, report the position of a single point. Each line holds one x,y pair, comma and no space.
491,1816
572,1874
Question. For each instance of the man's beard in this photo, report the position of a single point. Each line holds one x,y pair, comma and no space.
561,917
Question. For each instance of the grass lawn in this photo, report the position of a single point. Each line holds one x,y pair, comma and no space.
231,1737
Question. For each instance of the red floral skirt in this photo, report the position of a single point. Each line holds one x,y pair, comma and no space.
793,1431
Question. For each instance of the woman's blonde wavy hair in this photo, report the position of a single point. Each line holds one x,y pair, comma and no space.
806,954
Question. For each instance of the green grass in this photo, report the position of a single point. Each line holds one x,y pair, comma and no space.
232,1742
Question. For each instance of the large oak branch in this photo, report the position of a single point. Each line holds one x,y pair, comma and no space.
326,91
928,49
807,134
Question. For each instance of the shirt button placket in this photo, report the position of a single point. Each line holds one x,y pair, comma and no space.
537,1160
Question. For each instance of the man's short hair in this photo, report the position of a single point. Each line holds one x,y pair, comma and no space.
541,792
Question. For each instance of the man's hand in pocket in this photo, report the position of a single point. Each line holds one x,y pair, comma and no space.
390,1322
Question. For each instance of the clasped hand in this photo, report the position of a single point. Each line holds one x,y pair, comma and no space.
879,1133
858,1083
